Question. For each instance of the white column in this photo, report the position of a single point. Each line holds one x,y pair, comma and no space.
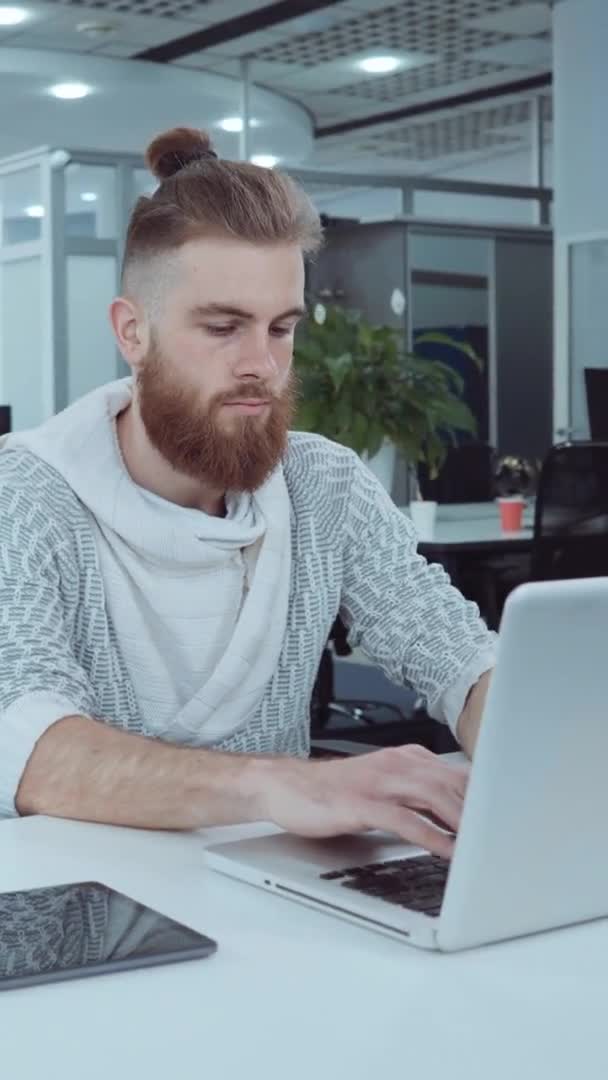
245,110
580,33
537,132
580,95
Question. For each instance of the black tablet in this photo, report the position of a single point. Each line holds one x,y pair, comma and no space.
70,931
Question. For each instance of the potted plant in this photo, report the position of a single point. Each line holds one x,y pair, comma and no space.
514,480
362,388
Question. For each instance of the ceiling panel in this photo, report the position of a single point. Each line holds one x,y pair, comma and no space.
517,19
534,52
462,133
164,8
464,46
494,128
95,31
430,26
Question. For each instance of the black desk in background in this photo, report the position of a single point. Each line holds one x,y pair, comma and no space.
481,560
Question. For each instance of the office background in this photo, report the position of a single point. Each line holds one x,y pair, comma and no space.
471,130
456,149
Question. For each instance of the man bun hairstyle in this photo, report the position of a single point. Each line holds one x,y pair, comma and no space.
173,150
202,195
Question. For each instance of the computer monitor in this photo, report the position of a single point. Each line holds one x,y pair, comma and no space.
596,386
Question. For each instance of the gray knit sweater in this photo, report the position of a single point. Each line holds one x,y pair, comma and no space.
353,552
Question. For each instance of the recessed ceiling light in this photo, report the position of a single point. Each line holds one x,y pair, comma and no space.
265,161
235,123
12,16
380,65
88,196
34,211
70,91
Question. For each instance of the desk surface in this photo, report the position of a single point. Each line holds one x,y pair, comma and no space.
291,992
469,526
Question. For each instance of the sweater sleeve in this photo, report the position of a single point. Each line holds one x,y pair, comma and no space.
402,611
40,678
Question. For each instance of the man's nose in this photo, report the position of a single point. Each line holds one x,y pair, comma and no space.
255,357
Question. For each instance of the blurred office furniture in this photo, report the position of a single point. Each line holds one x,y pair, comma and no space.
466,476
596,389
6,420
481,560
571,519
359,721
352,711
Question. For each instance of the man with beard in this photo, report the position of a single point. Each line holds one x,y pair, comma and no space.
172,560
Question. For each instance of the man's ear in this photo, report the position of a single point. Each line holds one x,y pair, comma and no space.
131,330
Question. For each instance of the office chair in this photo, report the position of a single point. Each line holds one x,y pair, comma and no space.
465,477
338,723
571,518
324,705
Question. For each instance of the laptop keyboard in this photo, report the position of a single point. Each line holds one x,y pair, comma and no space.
417,883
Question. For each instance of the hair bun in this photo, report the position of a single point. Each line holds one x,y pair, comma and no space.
173,150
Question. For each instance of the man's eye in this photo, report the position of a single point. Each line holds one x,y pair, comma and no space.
219,331
281,331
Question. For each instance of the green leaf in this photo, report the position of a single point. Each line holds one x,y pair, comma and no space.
436,337
359,385
338,367
360,426
375,438
307,416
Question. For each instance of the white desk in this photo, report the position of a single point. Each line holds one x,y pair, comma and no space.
291,993
475,525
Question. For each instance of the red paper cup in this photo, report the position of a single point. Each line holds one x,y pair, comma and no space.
511,514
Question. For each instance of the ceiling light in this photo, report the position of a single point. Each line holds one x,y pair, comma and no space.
380,65
265,161
34,211
12,16
235,124
88,196
70,91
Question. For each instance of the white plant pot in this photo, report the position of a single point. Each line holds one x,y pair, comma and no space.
382,464
423,513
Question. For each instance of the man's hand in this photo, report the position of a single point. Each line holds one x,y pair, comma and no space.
81,768
400,790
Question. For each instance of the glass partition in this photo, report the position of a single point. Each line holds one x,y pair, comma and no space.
91,286
23,341
588,345
449,293
21,206
90,201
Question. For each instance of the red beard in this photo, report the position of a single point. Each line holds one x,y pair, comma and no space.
190,437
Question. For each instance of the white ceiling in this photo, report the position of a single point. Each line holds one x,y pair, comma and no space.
131,102
457,45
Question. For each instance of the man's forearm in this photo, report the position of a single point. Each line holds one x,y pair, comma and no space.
84,769
467,728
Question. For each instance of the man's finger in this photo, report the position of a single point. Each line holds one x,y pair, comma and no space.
442,800
409,826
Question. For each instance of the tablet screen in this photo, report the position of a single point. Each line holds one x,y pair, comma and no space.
84,928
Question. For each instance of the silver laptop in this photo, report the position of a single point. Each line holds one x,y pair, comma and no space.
531,852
